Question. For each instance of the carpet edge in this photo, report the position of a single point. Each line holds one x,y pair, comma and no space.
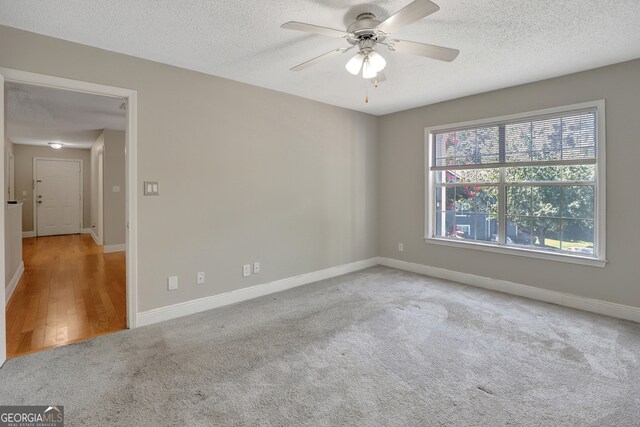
186,308
592,305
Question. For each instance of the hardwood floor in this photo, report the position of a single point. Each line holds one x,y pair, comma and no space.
69,291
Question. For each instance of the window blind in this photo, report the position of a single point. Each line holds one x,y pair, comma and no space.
567,138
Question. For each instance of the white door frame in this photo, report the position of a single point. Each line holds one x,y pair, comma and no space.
101,196
3,302
11,173
131,167
81,178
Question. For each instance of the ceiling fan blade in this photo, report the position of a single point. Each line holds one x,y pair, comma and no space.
407,15
320,58
423,49
315,29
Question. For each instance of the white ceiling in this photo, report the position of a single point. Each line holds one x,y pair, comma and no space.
38,115
502,43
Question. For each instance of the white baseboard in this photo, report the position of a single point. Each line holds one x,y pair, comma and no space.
93,235
107,249
33,233
198,305
13,283
581,303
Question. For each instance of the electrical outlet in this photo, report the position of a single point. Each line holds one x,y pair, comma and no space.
256,267
200,278
172,283
246,270
401,247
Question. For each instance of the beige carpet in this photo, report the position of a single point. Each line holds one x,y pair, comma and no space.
377,347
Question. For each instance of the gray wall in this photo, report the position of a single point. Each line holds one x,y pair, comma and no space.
115,219
23,158
246,174
95,148
114,175
12,225
8,148
402,195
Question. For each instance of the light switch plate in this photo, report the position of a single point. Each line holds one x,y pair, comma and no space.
116,188
256,267
172,283
151,188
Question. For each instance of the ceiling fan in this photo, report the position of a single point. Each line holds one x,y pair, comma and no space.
367,33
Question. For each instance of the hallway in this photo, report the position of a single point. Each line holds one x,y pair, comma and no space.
69,291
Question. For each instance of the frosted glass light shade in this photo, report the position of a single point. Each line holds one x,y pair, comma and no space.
377,61
368,71
355,64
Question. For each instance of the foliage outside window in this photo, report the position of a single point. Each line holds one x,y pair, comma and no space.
527,183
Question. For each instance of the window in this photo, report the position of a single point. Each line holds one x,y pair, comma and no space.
530,184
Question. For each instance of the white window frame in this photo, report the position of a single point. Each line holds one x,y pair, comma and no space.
600,198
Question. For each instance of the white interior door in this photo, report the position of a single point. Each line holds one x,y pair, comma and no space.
58,196
3,318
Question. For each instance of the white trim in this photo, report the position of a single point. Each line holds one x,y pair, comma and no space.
568,300
203,304
95,238
13,283
26,234
11,173
85,231
100,197
107,249
601,182
26,77
131,178
3,320
131,207
600,222
80,186
523,252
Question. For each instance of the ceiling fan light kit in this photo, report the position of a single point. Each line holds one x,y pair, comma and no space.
355,64
368,70
367,33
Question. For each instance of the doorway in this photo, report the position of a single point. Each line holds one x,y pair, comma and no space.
128,294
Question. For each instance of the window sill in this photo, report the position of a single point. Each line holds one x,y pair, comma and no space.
529,253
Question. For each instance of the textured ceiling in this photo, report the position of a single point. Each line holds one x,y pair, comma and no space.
502,43
38,115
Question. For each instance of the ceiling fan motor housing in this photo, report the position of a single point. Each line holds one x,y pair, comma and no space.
364,31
